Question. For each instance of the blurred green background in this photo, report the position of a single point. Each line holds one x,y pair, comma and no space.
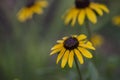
25,47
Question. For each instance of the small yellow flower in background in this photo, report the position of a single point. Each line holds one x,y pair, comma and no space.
116,20
32,7
82,9
72,46
97,40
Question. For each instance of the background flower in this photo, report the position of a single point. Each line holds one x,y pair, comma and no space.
97,40
32,7
116,20
83,9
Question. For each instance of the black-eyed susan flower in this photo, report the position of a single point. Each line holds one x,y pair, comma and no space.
116,20
72,46
97,40
32,7
84,9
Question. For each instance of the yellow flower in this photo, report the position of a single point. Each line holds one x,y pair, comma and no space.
116,20
82,9
70,47
97,40
32,7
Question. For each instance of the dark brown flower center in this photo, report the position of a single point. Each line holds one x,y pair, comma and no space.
82,3
71,43
30,3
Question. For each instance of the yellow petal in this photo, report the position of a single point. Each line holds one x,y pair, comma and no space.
21,15
87,45
37,10
91,15
69,16
97,9
60,55
64,38
55,51
75,14
81,37
57,46
24,14
85,52
81,17
71,59
79,56
42,3
103,7
64,59
60,41
67,12
74,36
28,13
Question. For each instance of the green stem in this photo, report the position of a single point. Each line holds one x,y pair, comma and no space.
88,30
90,33
78,69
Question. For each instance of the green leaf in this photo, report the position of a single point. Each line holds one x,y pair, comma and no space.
93,73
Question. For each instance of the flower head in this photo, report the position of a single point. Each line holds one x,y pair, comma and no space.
83,9
116,20
72,46
32,7
97,40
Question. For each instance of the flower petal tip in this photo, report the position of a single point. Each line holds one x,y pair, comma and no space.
81,62
62,67
51,54
70,66
93,48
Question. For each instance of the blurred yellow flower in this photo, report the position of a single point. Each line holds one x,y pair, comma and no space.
97,40
32,7
82,9
116,20
70,47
